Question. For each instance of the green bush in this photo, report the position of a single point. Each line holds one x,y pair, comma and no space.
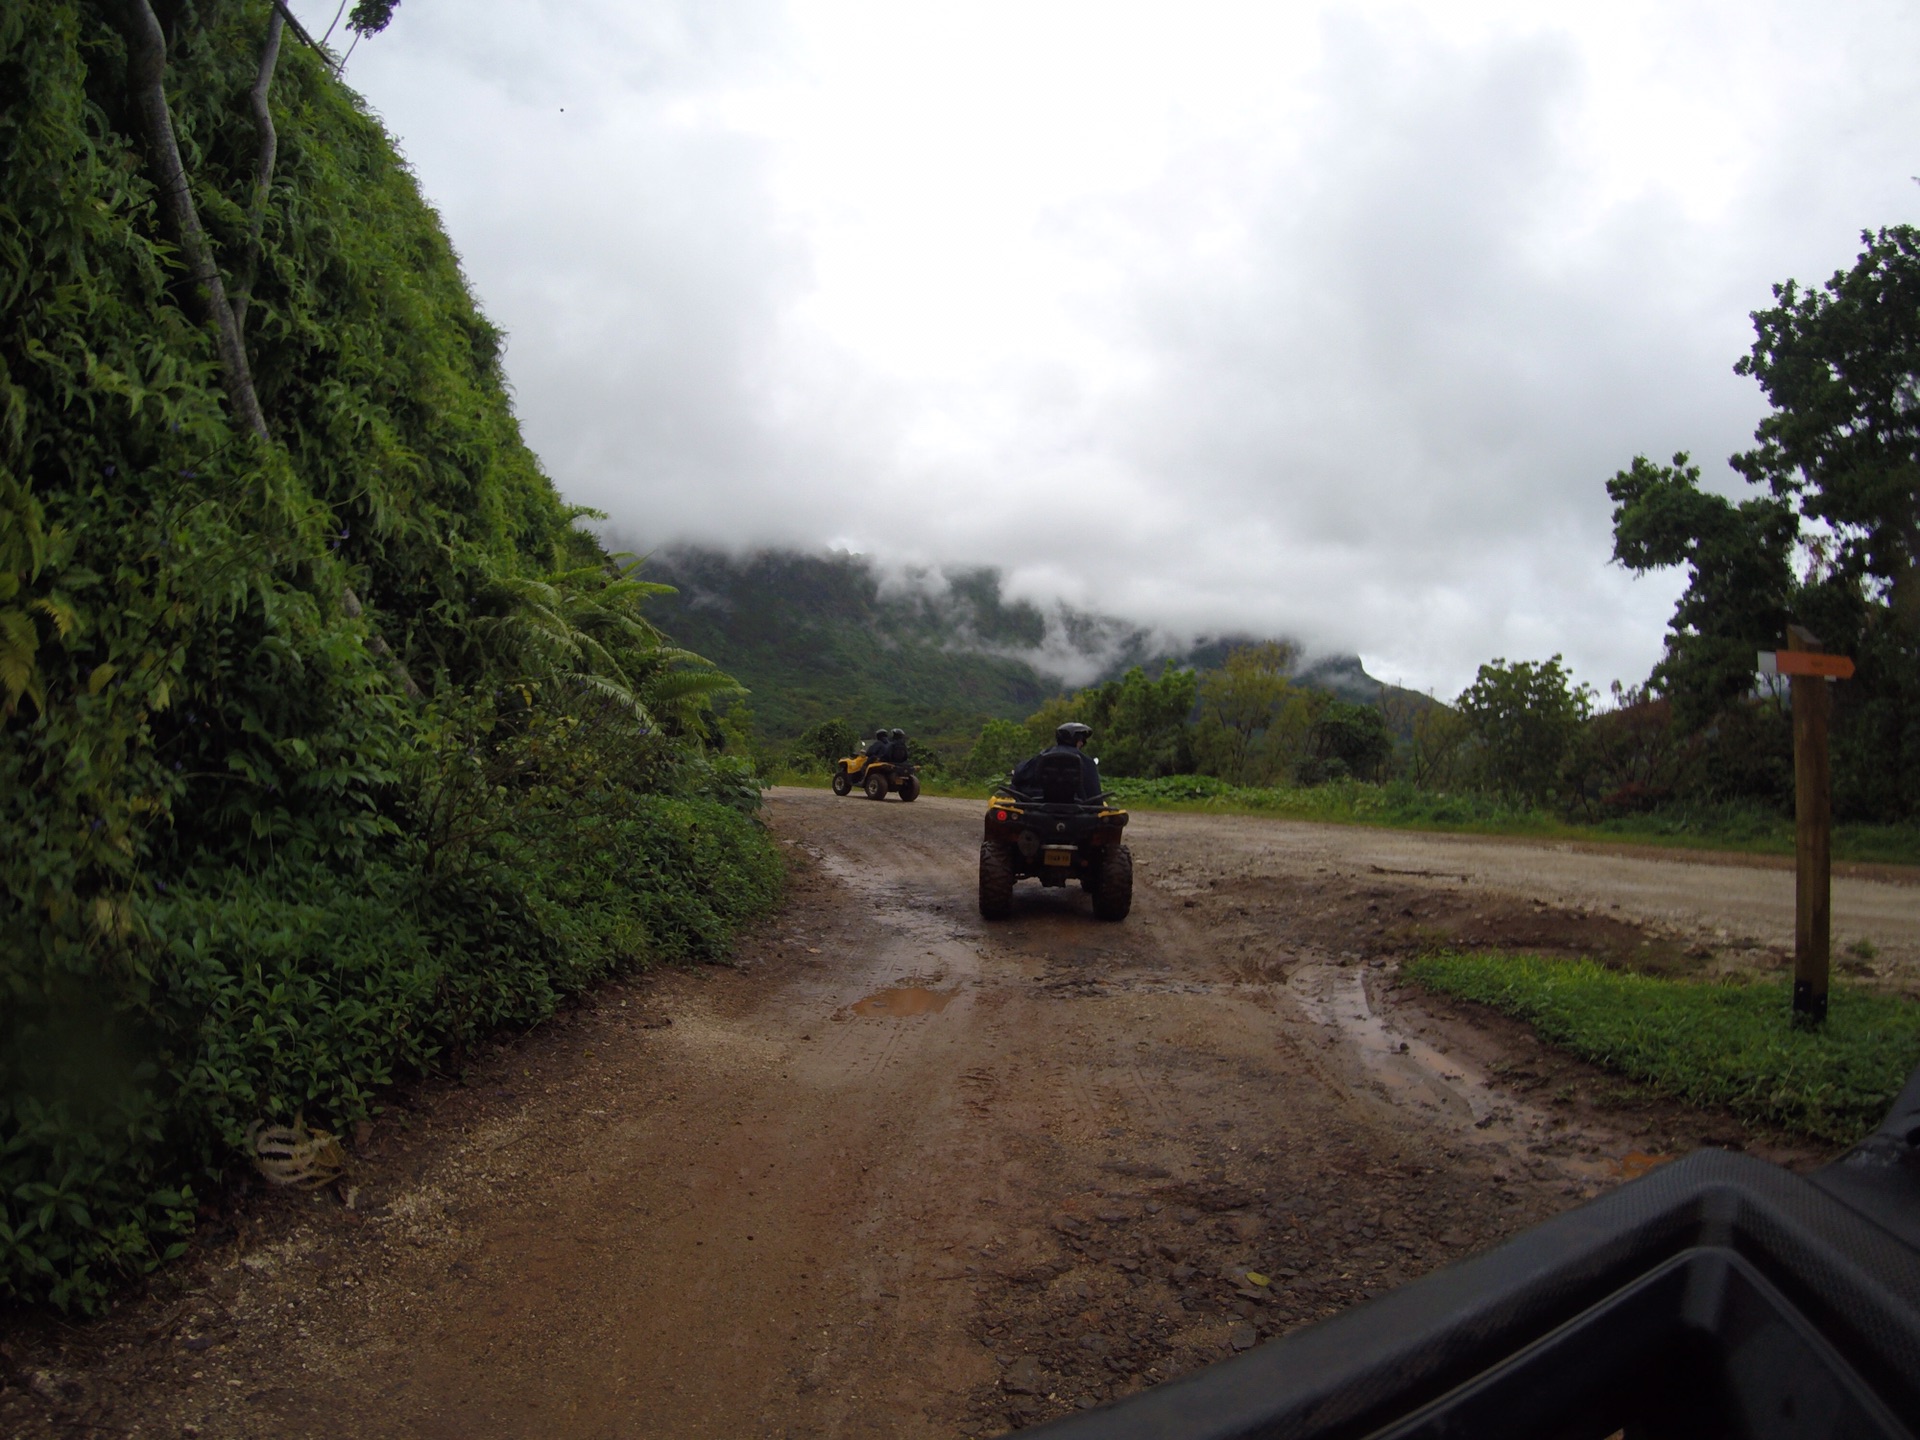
304,990
828,741
1728,1046
1002,745
1343,800
1180,788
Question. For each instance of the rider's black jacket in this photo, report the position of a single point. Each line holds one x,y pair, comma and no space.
877,749
897,751
1027,775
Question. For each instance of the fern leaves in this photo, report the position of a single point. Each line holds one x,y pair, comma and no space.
582,629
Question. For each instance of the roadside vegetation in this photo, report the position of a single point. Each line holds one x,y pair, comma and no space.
1723,1045
328,742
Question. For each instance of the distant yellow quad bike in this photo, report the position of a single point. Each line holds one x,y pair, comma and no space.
876,777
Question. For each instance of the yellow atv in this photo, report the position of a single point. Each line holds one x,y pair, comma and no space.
876,777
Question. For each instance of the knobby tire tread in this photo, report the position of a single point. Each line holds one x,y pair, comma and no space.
996,881
1113,896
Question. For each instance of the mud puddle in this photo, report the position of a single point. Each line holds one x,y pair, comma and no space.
904,1003
1451,1093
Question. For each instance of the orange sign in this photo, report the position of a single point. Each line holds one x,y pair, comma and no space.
1805,662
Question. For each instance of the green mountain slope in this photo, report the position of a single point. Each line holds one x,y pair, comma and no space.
818,636
815,637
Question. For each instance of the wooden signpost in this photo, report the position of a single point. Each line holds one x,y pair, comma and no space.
1808,672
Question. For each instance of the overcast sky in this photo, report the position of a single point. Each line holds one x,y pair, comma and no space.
1320,319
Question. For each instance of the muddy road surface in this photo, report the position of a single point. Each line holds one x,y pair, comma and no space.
898,1172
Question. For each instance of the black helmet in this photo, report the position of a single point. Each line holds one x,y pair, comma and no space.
1073,733
881,733
899,734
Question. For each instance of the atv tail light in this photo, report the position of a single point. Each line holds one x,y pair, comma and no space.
999,814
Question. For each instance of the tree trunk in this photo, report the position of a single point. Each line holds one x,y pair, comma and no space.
350,602
146,76
1905,597
263,178
293,23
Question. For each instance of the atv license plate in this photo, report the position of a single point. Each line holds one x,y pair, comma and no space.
1058,855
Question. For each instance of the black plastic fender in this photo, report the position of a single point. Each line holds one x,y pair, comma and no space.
1718,1296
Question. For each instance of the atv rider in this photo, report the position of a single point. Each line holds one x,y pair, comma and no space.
897,747
876,750
1070,739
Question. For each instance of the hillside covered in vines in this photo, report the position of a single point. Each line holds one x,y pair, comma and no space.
328,741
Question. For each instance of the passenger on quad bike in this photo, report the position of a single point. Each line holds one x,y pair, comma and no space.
884,769
1070,739
877,748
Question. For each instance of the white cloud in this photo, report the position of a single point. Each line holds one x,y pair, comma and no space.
1328,319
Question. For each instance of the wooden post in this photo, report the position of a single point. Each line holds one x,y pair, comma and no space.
1813,838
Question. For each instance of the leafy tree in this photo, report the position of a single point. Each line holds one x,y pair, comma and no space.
1144,729
145,74
1254,724
1347,740
1840,462
1092,706
1841,368
1525,718
1140,726
582,630
830,740
1002,745
735,730
1628,758
1740,587
370,17
1437,747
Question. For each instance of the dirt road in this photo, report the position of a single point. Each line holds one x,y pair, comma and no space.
902,1173
1739,906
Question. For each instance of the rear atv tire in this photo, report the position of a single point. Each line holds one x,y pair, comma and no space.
876,787
1113,895
996,881
842,783
910,789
